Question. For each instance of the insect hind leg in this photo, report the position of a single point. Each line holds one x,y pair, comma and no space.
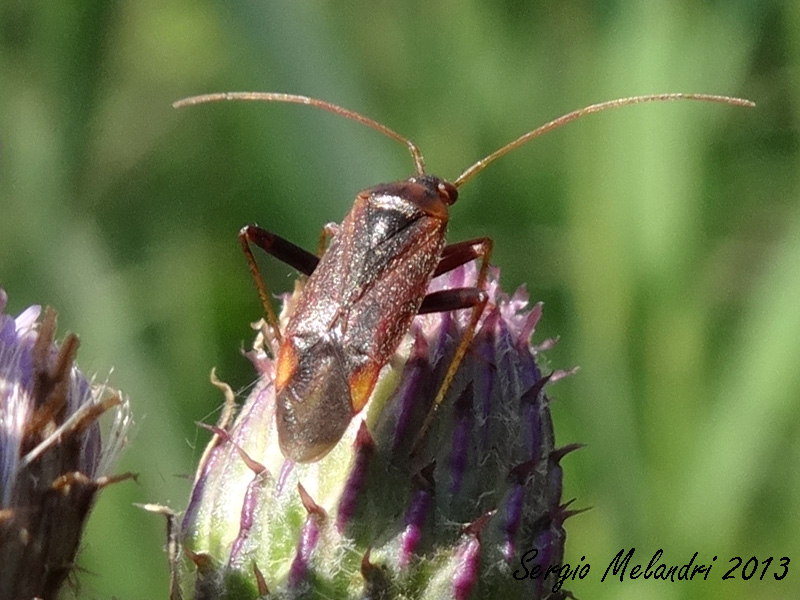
282,249
453,256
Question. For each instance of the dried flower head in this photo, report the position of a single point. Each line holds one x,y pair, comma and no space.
52,458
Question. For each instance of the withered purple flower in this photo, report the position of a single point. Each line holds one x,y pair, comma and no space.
386,515
52,458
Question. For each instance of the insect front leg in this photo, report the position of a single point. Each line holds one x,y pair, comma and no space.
476,297
285,251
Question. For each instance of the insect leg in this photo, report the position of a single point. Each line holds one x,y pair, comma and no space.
460,253
453,299
476,298
285,251
328,231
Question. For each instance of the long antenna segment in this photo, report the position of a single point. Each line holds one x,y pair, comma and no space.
416,155
479,166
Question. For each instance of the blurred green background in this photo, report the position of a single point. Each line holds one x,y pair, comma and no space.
663,239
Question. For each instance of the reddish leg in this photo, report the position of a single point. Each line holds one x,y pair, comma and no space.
454,256
285,251
460,253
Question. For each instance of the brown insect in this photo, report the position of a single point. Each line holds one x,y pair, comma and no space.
370,283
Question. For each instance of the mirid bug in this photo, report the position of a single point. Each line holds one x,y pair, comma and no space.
370,283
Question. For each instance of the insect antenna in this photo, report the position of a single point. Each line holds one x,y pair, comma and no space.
416,155
479,166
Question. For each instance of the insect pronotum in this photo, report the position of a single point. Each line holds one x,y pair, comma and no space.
367,286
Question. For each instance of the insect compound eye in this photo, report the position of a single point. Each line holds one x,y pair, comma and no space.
448,192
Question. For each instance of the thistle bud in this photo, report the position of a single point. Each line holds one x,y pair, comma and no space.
52,458
404,506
